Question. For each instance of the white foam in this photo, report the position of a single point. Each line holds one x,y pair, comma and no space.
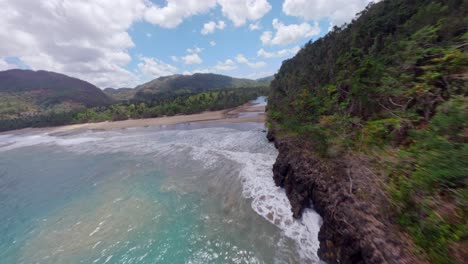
97,229
107,259
10,142
249,149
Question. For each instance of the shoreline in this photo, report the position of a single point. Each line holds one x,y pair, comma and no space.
230,115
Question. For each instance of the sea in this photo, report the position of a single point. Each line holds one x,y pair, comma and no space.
187,193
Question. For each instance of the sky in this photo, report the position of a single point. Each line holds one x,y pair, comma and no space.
123,43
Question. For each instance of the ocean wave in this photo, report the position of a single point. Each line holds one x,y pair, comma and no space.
249,149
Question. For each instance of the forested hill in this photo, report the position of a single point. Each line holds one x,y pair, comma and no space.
199,82
120,94
26,93
266,80
39,99
390,87
50,88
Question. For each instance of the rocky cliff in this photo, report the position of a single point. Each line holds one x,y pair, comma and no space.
371,123
357,226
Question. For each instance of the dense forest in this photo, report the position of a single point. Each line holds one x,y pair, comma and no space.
392,85
164,104
198,82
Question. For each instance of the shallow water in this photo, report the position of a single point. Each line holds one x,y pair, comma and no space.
191,193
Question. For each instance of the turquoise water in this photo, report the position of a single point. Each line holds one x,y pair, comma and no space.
193,193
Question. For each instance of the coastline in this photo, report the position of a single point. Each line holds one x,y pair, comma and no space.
255,113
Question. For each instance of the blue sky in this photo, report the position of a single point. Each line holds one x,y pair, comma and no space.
127,42
162,43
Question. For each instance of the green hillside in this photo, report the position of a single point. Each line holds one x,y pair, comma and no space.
266,80
120,94
25,92
181,84
392,86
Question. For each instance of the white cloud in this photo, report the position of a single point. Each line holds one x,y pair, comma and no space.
230,65
69,37
280,53
257,65
212,43
210,27
287,34
192,59
266,37
175,11
338,11
6,66
194,50
241,11
198,71
243,60
155,68
227,65
255,26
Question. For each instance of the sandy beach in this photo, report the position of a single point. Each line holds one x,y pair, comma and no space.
241,114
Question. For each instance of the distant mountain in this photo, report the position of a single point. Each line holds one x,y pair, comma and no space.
266,80
120,94
35,91
199,82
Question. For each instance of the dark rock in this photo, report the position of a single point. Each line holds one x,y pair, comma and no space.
270,136
357,226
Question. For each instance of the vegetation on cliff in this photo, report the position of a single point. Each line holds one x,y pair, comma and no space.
392,85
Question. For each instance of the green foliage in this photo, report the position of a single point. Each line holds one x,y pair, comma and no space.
380,132
163,105
392,82
196,83
436,163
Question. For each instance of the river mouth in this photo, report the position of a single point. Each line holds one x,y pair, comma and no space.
190,193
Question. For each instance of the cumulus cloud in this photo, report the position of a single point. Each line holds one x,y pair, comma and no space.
255,26
210,27
255,65
338,11
287,34
192,59
155,68
227,65
175,11
212,43
277,54
241,11
68,36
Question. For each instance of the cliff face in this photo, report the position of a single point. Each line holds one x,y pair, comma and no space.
357,226
371,124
